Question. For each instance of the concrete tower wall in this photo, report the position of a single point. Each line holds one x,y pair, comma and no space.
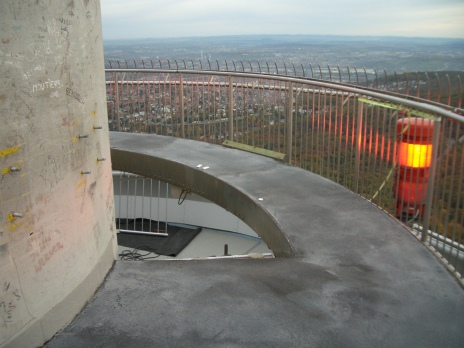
57,239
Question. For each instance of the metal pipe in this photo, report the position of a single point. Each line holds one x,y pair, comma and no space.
289,124
118,119
159,234
358,149
231,109
181,103
431,182
449,89
438,87
460,91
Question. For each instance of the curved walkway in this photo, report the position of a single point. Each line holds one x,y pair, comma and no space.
352,276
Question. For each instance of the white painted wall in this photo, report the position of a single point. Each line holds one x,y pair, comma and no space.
137,197
52,90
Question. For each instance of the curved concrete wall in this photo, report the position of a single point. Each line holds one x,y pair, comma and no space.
56,213
160,158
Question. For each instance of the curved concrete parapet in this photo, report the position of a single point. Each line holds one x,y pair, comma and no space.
355,276
153,156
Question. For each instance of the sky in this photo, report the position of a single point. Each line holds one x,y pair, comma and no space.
130,19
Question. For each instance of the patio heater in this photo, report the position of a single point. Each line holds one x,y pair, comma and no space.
414,158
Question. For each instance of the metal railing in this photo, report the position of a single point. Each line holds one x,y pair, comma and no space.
141,204
345,133
441,87
146,206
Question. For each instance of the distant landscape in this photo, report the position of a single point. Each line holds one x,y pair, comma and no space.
390,53
425,68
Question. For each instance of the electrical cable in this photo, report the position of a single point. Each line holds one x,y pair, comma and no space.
413,218
181,200
405,128
134,255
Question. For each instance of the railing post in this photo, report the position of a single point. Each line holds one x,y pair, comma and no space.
231,109
358,135
118,121
181,103
431,181
288,140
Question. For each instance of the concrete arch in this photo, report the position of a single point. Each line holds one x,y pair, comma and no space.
162,165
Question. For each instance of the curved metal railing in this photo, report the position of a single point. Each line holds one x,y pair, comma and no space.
441,87
345,133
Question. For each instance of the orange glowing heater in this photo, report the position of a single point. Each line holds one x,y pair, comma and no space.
414,157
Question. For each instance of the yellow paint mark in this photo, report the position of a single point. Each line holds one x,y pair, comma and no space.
74,139
72,125
14,227
81,183
11,217
8,170
6,152
93,114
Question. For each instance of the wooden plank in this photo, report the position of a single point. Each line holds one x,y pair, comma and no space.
253,149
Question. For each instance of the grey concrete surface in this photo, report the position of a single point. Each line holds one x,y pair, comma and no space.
56,223
356,277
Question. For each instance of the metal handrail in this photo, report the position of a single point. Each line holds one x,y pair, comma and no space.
335,129
408,79
427,106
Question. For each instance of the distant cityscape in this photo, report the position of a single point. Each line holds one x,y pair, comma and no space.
156,110
390,53
256,113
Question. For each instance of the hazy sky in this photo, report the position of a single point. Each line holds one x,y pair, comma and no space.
125,19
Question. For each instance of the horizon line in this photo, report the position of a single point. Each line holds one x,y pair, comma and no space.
289,35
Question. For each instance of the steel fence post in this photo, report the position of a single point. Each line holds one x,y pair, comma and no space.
358,146
118,121
431,181
181,103
231,109
288,140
